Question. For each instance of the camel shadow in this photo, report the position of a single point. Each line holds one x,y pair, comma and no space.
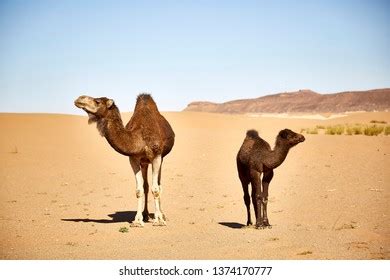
117,217
232,225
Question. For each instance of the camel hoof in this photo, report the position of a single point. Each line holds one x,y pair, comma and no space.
159,223
137,224
145,217
260,226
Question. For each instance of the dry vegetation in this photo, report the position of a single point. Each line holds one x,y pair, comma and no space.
372,129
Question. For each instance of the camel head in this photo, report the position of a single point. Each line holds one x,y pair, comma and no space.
289,137
96,108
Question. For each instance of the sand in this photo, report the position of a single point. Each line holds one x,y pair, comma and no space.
65,193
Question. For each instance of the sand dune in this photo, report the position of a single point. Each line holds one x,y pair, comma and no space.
64,193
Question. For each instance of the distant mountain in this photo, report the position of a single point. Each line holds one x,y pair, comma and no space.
302,101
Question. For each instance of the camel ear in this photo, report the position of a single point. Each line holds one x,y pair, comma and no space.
110,102
283,133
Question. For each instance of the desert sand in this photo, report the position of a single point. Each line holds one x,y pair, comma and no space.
65,193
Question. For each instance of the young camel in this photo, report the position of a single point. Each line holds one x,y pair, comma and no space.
146,139
256,157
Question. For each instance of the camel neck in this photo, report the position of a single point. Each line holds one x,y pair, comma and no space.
119,138
277,155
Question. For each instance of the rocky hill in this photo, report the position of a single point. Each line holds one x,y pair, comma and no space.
302,101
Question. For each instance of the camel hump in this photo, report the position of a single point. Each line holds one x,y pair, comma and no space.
145,100
252,133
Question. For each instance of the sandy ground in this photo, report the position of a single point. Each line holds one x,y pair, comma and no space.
64,193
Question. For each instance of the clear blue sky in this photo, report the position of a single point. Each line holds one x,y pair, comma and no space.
182,51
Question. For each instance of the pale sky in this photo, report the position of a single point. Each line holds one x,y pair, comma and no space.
183,51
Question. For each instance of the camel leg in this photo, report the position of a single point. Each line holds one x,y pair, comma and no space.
144,169
244,178
156,190
161,189
256,186
135,165
266,180
253,195
247,200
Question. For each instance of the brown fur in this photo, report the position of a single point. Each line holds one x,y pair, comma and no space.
147,134
255,158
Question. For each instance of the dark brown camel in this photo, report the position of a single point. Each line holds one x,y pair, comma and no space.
146,139
256,157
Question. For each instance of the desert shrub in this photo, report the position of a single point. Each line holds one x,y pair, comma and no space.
357,130
320,127
373,130
335,129
312,131
350,129
387,130
123,229
330,130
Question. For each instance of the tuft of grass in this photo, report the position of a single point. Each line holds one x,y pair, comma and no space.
373,130
311,131
123,229
15,150
350,129
335,129
381,122
387,130
356,129
305,253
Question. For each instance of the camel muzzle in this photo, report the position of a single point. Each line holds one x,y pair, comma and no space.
84,102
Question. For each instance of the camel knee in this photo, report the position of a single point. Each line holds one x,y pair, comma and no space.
156,191
262,199
139,193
